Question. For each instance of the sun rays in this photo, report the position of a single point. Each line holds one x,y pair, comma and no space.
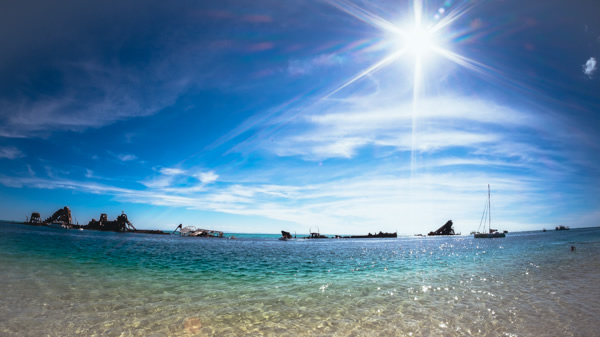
421,37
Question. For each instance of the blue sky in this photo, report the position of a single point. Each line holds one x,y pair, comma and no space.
258,116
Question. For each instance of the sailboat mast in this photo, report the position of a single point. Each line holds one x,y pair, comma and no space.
489,210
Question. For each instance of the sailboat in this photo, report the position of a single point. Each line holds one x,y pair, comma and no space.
491,233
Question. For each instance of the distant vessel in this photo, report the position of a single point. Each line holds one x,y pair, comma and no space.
315,235
491,233
562,228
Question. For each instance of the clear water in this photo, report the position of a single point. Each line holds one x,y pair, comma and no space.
67,282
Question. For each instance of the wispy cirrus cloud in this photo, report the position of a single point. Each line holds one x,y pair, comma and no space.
57,75
10,152
443,123
93,95
174,179
171,171
127,157
298,67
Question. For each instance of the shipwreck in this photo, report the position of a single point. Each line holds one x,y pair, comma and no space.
372,236
198,232
121,224
61,218
446,229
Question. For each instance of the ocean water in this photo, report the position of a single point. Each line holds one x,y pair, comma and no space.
66,282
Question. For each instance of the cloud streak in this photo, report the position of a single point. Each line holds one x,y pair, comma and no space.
93,96
444,123
173,179
298,67
127,157
10,152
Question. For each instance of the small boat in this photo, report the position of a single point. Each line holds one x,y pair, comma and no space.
562,228
491,233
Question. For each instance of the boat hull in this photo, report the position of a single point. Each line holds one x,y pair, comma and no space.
489,235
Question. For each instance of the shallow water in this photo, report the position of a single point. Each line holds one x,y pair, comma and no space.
66,282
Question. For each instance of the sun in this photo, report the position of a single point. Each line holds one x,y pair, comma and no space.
418,40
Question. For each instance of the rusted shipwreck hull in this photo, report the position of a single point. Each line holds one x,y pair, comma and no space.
369,236
61,217
374,236
121,224
198,232
446,229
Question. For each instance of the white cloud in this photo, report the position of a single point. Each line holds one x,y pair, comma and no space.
158,182
590,67
171,171
10,152
207,177
177,180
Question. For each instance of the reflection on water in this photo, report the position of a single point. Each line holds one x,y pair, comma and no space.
63,282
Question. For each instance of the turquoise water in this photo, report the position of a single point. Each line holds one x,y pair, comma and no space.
68,282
